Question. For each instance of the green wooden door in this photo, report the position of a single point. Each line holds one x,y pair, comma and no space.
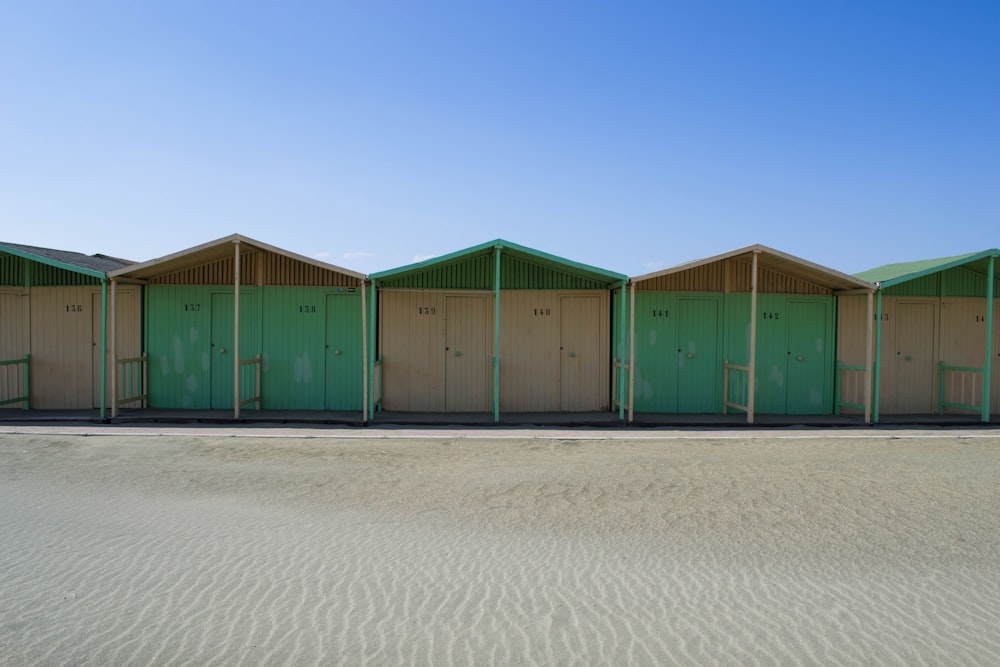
293,376
344,361
699,371
808,386
772,354
655,352
222,351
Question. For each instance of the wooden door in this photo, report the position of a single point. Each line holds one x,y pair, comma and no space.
222,351
916,332
699,372
344,360
466,354
580,364
808,389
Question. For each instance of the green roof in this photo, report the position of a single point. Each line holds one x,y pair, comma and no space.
893,274
521,268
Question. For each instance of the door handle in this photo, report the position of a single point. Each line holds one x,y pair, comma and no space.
337,352
690,355
798,358
457,353
222,350
572,354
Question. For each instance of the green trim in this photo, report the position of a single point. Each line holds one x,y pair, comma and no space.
893,274
877,363
987,367
545,259
621,355
372,356
104,346
496,340
51,262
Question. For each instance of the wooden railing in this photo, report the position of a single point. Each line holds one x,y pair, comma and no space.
965,374
855,382
256,387
22,385
132,382
744,373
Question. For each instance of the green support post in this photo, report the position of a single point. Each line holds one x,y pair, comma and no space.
621,356
496,337
104,345
877,363
987,367
372,356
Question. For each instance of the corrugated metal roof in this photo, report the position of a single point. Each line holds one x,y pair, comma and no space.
211,251
775,260
94,265
892,274
528,256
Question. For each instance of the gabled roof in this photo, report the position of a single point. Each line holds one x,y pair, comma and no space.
893,274
210,252
97,266
775,260
530,256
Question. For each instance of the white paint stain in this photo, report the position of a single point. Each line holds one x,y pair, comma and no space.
178,354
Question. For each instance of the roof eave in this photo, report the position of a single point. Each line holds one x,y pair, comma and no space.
94,273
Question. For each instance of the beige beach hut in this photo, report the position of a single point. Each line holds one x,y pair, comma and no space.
936,345
54,323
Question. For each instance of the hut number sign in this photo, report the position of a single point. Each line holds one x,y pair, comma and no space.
192,307
771,315
307,309
542,312
661,312
427,310
74,308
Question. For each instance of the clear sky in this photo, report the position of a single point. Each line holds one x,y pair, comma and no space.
628,135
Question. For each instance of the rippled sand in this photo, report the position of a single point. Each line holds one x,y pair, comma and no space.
212,550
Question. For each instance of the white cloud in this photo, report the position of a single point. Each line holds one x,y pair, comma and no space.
420,258
357,254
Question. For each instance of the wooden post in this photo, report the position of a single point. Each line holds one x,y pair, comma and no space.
631,355
236,331
496,338
364,354
987,367
114,348
869,326
753,339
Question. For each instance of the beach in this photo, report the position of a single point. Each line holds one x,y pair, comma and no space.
299,547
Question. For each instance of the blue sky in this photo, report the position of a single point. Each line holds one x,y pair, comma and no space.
632,136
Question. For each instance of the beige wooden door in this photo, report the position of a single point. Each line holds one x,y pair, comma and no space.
413,362
916,332
529,351
581,361
95,347
467,356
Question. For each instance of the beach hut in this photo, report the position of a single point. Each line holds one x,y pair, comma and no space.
936,345
700,330
496,327
238,323
54,316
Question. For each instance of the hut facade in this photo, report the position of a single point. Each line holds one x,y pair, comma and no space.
496,327
700,331
54,328
936,347
238,323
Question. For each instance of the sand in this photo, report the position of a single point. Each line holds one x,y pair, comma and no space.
507,548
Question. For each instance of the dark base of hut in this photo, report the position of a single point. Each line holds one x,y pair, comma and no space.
484,419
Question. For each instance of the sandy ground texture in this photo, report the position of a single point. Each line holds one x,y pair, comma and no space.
510,549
